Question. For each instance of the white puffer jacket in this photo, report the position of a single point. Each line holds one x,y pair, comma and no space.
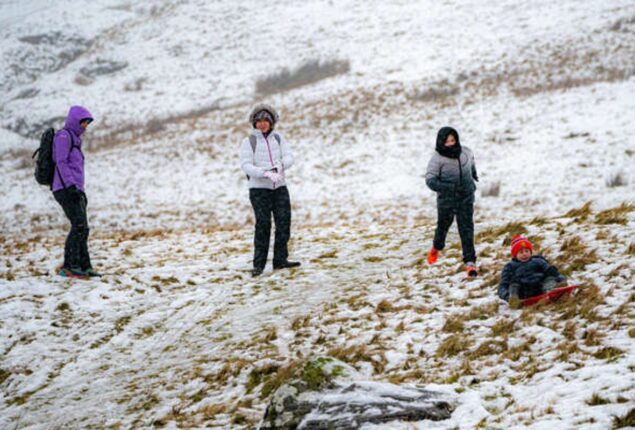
268,154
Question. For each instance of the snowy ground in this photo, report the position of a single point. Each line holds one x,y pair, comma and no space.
178,335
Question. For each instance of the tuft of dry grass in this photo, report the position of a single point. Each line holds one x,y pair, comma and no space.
627,420
483,312
453,345
566,349
258,374
574,256
509,230
592,337
584,304
454,323
502,327
616,215
300,322
356,353
489,347
384,306
274,381
597,400
516,352
609,353
581,213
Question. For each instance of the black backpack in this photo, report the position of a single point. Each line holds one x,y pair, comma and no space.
44,164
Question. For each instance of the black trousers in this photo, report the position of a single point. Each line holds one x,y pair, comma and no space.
265,203
74,203
463,211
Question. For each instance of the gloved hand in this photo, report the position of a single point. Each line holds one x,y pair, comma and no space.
549,284
514,290
273,176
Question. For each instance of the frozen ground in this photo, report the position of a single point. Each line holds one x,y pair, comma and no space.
177,335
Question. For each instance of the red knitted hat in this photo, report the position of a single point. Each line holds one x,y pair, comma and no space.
520,242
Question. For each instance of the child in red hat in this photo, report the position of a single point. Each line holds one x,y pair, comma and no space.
527,275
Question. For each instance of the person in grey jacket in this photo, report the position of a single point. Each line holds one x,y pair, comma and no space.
451,173
265,157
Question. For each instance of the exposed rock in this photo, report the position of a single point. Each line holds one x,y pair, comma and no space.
329,394
27,93
34,130
41,54
102,67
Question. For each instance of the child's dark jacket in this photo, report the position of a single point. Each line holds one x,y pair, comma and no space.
529,276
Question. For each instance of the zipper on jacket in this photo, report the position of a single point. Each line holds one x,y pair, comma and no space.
270,157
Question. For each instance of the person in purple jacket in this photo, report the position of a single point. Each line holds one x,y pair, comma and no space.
68,190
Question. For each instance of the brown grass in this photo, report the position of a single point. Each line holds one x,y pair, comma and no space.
453,345
509,230
627,420
597,400
592,337
502,327
574,256
581,213
454,323
609,353
489,347
356,353
616,215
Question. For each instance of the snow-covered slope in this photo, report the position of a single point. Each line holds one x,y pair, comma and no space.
177,334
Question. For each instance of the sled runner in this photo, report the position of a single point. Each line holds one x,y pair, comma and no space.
550,296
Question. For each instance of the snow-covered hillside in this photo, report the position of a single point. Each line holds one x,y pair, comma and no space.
178,335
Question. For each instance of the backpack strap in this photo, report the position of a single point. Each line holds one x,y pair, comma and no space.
252,142
70,135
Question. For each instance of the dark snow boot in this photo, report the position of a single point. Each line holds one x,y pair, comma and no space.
92,273
286,265
73,273
256,271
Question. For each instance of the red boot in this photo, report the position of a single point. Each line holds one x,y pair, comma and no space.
471,271
433,254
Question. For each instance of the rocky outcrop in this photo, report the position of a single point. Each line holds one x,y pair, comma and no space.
329,394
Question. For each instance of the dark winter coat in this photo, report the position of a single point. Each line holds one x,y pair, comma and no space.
451,172
529,276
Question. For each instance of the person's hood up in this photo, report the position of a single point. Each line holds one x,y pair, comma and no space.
442,136
260,107
77,114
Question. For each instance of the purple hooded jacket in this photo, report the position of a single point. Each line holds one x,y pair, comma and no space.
69,160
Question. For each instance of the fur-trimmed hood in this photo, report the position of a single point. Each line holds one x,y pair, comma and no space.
260,107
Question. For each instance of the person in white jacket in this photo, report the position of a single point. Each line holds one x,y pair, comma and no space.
265,157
